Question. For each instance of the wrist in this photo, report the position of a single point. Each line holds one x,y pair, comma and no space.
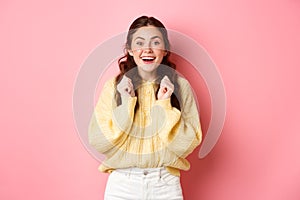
165,103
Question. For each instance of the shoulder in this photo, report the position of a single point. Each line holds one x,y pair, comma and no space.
183,83
110,83
185,88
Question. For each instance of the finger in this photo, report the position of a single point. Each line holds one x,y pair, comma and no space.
124,89
165,89
126,80
166,78
125,77
169,85
130,84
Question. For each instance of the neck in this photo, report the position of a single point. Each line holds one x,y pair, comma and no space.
148,76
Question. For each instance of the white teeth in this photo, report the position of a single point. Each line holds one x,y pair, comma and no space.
148,58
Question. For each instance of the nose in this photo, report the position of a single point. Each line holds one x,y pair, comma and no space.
147,47
147,50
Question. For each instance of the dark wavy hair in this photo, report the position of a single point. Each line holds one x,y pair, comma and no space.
128,66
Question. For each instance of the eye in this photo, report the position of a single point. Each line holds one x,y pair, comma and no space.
139,43
156,42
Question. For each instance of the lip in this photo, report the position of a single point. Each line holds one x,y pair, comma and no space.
148,59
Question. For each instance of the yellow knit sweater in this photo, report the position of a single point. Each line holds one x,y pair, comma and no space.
154,135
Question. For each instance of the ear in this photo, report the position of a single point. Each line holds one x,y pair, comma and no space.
130,52
165,53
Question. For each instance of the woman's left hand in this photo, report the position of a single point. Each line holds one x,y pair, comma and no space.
166,88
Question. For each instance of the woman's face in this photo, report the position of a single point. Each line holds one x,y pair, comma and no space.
147,49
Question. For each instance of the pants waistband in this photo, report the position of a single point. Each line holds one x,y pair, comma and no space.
143,171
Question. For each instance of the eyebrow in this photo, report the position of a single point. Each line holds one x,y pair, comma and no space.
154,37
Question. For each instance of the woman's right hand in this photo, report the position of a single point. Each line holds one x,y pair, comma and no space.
125,87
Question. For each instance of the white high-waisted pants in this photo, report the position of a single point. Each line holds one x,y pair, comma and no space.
143,184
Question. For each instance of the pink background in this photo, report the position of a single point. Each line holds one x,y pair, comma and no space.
255,45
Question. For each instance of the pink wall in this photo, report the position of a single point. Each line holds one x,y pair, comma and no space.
255,45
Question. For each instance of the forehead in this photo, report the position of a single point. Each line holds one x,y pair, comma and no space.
147,32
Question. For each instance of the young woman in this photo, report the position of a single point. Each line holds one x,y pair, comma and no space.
146,120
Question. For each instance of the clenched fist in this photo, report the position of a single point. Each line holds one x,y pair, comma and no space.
125,87
166,88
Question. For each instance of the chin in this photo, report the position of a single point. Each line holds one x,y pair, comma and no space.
149,67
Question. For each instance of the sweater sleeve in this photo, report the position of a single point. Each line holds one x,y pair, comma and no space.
110,123
181,131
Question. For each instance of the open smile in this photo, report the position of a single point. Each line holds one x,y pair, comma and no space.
148,59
